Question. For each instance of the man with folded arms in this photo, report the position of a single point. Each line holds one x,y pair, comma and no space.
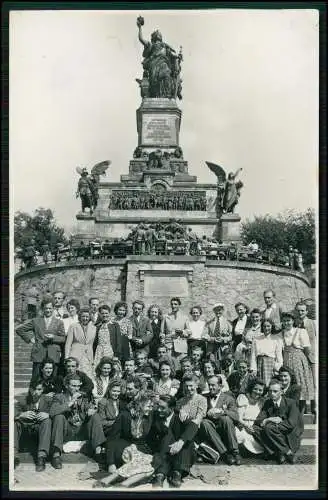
72,414
218,428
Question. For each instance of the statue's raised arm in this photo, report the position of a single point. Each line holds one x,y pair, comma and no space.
140,23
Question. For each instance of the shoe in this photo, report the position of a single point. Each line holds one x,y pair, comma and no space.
16,462
40,464
176,479
281,459
56,462
267,457
290,457
100,458
229,459
158,481
237,459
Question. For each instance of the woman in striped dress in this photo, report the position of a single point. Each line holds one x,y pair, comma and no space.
296,348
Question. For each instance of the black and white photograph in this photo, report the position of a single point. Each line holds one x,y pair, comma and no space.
163,213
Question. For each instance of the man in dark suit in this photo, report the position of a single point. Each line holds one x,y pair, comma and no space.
32,417
141,331
279,426
47,334
218,428
71,412
173,443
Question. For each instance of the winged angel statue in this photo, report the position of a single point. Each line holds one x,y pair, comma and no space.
228,190
88,185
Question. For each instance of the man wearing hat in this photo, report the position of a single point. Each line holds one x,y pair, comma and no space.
219,336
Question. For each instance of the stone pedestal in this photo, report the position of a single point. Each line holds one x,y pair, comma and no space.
230,228
158,124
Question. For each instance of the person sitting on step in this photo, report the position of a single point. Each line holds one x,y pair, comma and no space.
32,417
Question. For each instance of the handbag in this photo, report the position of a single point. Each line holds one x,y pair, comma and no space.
208,454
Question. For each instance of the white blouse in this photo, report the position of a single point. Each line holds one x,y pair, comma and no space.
267,346
197,329
296,337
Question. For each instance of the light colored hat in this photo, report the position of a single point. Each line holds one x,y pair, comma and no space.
216,306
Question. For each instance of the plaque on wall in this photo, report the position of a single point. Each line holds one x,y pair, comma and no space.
159,130
160,284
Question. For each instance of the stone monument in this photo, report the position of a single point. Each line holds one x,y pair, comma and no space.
158,186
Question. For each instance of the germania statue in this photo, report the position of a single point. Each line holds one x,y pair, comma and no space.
161,65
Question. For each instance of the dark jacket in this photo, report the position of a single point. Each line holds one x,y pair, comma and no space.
106,411
236,338
292,422
226,402
116,339
43,348
141,330
26,404
122,427
293,392
60,407
160,435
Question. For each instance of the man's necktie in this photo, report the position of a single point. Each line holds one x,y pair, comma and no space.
217,328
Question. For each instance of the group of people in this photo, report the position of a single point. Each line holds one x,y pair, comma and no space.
159,239
149,393
145,200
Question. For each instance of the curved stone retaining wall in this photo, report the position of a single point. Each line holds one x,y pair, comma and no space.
155,278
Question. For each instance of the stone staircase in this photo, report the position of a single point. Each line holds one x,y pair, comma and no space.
22,365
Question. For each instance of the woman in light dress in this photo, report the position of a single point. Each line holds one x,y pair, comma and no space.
249,406
79,342
73,308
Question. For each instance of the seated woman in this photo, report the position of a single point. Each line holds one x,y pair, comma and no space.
239,379
209,370
197,328
290,389
249,406
128,453
266,353
104,375
165,384
110,406
51,384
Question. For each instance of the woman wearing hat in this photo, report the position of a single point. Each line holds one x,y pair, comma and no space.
296,350
219,334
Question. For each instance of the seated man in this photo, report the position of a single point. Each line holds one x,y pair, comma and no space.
279,426
218,428
32,417
163,355
134,387
71,412
71,366
143,367
173,443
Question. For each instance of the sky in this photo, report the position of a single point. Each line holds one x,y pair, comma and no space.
250,101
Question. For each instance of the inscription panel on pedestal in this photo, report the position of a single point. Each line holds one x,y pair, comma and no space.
165,284
159,130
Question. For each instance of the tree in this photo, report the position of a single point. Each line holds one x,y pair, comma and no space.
41,227
288,228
